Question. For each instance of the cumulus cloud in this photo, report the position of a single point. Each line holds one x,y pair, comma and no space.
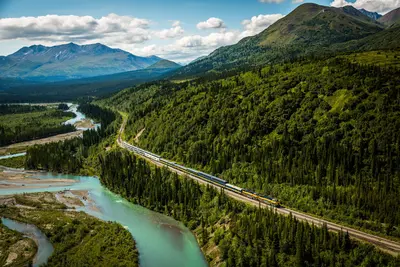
173,32
70,28
381,6
188,48
212,40
211,23
259,23
271,1
129,33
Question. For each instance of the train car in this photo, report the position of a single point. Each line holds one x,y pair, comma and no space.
270,201
191,170
167,162
212,178
152,156
249,194
234,188
179,167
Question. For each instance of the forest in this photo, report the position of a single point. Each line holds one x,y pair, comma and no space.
77,155
20,123
242,235
13,109
320,135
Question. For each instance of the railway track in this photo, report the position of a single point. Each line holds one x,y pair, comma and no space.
382,243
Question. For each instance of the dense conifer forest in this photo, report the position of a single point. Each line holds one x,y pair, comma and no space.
13,109
20,123
320,135
243,235
76,155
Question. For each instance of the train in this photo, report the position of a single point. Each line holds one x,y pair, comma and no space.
209,178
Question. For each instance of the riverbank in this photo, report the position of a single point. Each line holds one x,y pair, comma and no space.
13,162
78,238
15,248
20,179
85,124
22,146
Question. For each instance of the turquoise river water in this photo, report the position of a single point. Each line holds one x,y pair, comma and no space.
45,249
161,240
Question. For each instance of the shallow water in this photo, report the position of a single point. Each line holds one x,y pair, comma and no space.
161,240
79,117
45,249
13,155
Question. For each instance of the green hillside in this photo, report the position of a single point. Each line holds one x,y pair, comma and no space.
164,64
322,136
310,30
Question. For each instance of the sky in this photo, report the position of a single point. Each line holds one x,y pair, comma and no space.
179,30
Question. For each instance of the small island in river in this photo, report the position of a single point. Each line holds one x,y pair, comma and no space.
77,237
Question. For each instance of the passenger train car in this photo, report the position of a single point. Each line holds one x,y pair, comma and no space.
210,178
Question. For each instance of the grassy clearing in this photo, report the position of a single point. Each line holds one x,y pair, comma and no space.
379,58
17,162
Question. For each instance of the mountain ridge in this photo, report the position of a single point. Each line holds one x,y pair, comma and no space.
391,18
309,30
372,15
70,61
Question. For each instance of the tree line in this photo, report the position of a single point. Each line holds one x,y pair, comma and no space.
12,109
243,235
24,123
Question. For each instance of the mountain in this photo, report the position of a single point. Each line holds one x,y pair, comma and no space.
372,15
70,61
310,29
164,64
391,18
17,90
198,59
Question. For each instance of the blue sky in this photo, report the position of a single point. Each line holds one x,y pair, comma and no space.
178,30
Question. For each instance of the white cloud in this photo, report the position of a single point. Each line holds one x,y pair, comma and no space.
271,1
128,33
259,23
173,32
176,23
297,1
381,6
71,28
211,23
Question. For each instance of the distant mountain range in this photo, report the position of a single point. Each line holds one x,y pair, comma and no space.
372,15
70,61
309,30
19,90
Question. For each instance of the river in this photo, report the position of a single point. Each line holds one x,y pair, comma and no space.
79,117
13,155
45,249
161,240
